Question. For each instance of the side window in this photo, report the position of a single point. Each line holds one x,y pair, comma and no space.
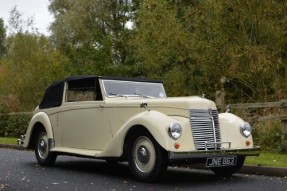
81,94
83,90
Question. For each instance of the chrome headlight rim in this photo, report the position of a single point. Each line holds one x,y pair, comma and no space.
175,131
245,129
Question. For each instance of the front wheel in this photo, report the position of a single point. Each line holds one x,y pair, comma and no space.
42,151
229,170
146,158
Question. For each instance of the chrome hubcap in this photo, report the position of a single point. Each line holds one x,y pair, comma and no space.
143,155
43,147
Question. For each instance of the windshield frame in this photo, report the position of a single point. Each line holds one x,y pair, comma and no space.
137,93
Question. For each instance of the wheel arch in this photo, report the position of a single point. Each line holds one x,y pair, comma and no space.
133,132
153,122
40,122
37,129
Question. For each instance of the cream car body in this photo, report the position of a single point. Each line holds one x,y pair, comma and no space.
131,119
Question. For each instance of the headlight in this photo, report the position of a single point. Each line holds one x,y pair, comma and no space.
245,129
175,130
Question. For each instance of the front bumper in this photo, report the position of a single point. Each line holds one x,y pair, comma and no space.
177,156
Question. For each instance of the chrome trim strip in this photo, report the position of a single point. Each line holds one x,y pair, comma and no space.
213,127
213,153
216,145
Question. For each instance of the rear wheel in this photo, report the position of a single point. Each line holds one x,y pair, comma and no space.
229,170
42,151
146,158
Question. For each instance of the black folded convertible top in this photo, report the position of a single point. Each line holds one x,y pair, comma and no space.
53,96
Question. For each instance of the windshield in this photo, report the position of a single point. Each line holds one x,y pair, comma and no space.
132,88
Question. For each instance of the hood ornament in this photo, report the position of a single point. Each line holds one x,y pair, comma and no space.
203,95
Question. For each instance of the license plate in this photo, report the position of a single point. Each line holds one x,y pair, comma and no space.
221,161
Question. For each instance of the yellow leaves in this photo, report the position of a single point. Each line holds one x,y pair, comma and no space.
260,60
30,65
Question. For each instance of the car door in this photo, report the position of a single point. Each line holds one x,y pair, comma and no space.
85,126
83,120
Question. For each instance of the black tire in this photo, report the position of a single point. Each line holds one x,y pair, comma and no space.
42,151
147,159
229,170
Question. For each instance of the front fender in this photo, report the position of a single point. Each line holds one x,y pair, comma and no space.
41,118
230,131
155,122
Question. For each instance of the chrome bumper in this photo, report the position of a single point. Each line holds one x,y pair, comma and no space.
173,156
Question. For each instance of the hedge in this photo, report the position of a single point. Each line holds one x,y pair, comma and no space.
13,125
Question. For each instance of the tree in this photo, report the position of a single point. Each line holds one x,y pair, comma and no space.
30,64
19,25
162,47
243,41
2,38
92,33
193,44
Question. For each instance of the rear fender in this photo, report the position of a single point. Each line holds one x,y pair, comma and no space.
40,119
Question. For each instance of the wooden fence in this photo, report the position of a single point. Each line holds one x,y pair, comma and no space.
280,105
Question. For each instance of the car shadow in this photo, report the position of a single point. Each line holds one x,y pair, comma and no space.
173,177
94,166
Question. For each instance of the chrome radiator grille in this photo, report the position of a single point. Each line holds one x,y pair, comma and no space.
205,129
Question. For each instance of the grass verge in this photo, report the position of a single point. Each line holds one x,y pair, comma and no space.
268,159
8,140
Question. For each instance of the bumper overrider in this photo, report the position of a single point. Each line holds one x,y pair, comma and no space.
20,141
180,156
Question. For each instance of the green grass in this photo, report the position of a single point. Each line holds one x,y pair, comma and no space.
268,159
265,159
8,140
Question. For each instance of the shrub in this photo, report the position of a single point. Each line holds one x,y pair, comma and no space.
3,124
269,136
13,125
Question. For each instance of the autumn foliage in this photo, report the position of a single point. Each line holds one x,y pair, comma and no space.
190,45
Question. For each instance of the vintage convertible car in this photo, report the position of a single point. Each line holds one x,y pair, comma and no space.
124,119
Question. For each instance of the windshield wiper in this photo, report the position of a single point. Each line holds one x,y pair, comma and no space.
141,95
118,95
130,95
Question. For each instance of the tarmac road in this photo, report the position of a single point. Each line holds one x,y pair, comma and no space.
19,171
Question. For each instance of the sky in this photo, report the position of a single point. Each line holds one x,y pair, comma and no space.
38,9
